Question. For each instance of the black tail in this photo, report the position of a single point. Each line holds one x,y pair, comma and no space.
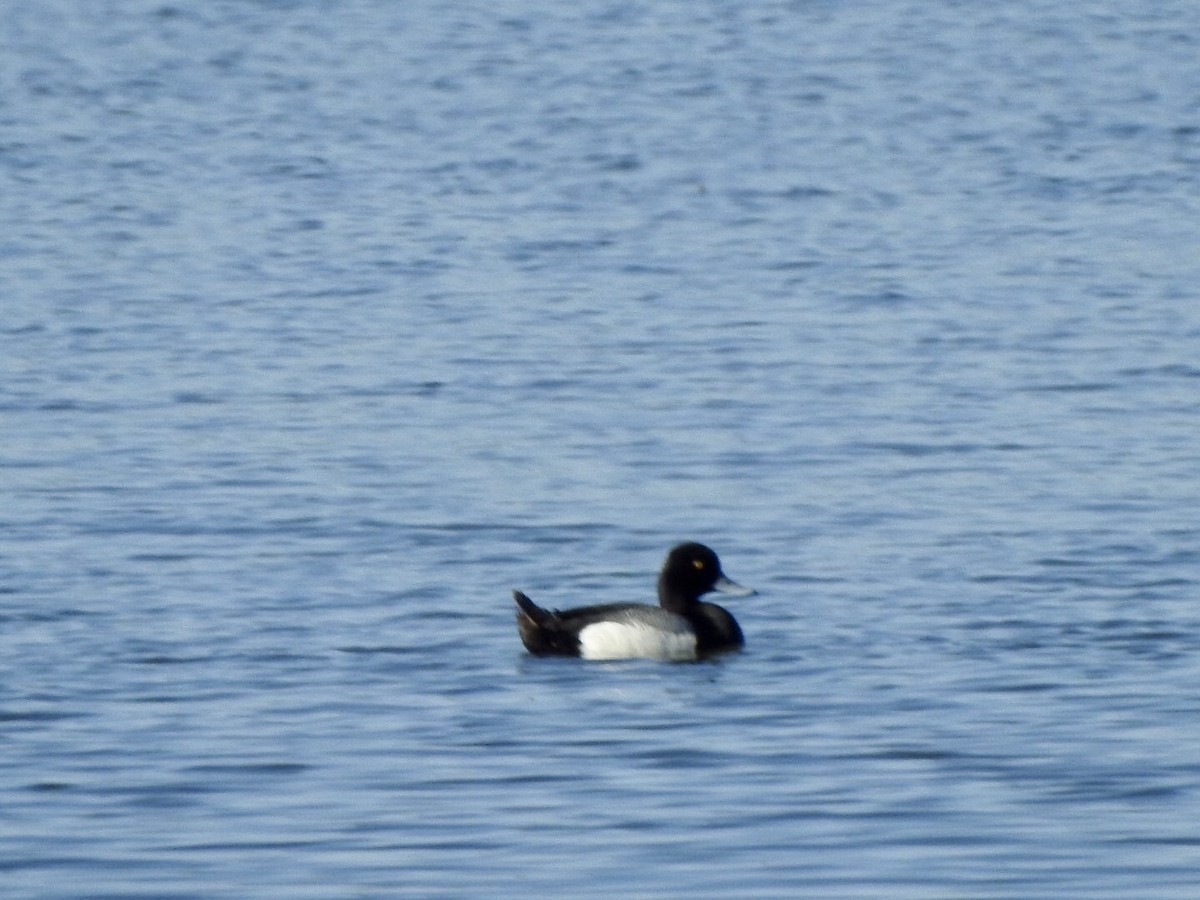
528,609
542,631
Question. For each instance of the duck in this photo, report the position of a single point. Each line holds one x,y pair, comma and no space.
680,628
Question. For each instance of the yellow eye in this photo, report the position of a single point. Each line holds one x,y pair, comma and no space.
698,563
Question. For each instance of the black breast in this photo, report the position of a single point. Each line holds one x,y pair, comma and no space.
716,629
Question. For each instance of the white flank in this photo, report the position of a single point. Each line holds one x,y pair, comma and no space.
635,640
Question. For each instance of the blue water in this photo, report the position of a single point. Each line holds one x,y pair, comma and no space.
323,326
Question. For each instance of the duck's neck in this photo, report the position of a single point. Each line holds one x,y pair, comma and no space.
674,601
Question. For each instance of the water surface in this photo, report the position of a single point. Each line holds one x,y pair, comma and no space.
324,326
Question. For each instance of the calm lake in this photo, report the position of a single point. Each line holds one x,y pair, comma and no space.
323,326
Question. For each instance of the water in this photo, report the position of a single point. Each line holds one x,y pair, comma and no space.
325,325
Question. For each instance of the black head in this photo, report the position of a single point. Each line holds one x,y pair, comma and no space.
690,571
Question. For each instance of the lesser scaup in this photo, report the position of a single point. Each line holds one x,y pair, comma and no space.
679,628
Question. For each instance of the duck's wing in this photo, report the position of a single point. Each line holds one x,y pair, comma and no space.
553,632
638,615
